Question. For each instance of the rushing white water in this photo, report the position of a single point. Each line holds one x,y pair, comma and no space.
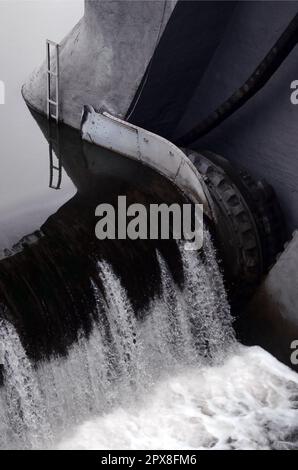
249,402
23,413
176,379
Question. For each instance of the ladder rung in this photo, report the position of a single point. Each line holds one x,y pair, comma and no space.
56,167
52,43
52,73
52,101
53,116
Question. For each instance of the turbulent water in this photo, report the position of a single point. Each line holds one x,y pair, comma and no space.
249,402
174,379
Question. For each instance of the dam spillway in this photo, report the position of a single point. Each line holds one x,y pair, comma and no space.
138,344
203,52
119,357
184,335
109,329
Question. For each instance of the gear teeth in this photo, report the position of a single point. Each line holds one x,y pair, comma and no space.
249,215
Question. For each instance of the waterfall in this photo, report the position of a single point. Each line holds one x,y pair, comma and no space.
122,357
183,330
22,415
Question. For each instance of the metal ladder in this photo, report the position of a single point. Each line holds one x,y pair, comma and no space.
55,157
55,178
52,102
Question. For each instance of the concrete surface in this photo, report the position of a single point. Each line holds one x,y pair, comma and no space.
271,319
262,136
104,57
207,50
195,30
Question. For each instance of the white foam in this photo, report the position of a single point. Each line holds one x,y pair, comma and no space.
249,402
175,379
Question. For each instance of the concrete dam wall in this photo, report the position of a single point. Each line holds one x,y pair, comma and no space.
207,51
166,65
113,333
262,136
104,58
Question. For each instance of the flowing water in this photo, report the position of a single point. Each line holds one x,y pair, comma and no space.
111,345
248,402
174,378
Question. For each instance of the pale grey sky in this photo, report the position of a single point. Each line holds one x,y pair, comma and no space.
24,165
